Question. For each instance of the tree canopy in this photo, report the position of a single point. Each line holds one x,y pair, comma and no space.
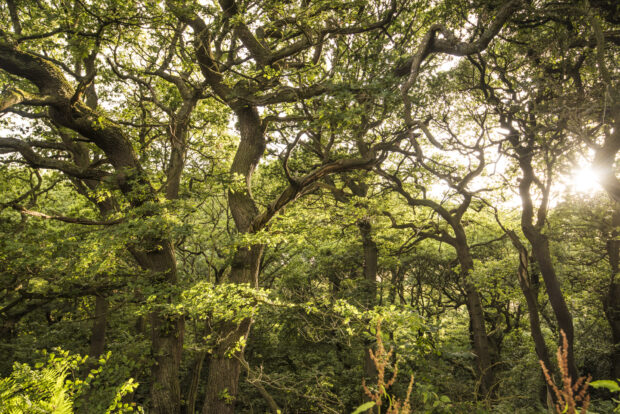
309,206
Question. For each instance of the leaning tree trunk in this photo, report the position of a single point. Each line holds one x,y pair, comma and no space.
531,298
540,249
476,315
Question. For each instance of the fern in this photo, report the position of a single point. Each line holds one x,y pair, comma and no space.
47,389
36,391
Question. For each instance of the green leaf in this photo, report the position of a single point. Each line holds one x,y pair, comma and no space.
444,399
364,407
609,384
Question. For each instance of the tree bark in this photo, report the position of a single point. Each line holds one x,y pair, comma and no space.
167,346
540,248
370,263
97,339
611,302
481,343
476,313
167,331
604,161
224,365
370,290
531,298
539,241
195,381
396,284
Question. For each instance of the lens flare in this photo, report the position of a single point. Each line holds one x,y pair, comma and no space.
585,180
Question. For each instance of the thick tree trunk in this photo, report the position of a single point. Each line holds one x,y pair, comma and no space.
611,303
370,289
224,364
167,344
605,161
97,338
224,369
167,331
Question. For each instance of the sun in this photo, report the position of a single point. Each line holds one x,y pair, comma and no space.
585,180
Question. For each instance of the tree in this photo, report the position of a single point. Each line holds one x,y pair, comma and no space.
174,173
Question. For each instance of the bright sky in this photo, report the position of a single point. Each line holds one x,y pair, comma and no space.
584,180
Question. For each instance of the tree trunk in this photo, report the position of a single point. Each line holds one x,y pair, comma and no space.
481,343
224,365
196,372
531,298
611,302
97,339
167,330
369,291
167,346
193,387
605,161
476,315
396,284
370,263
540,248
540,245
224,370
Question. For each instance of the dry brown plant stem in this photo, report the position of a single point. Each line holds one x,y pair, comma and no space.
381,359
571,395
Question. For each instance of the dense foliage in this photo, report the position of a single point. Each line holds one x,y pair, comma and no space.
309,206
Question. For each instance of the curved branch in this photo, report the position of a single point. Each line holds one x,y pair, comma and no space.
295,190
73,220
15,96
451,46
37,161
